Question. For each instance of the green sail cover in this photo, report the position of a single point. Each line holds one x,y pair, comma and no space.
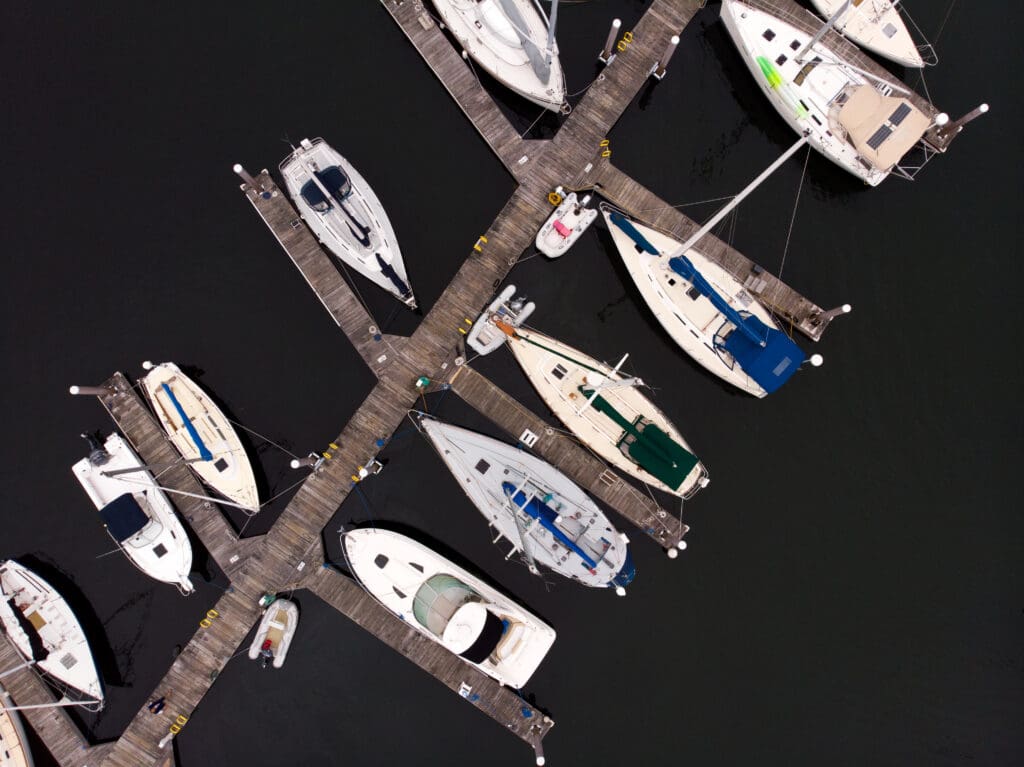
648,446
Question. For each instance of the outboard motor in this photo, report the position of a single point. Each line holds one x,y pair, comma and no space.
517,304
97,453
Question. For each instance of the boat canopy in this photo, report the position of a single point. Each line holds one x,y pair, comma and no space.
547,517
642,243
881,128
334,181
647,445
770,365
124,517
437,600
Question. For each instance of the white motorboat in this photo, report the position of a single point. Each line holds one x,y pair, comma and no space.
202,434
513,42
570,219
42,627
275,632
608,413
860,122
136,512
484,337
345,215
876,25
539,510
449,605
705,309
14,750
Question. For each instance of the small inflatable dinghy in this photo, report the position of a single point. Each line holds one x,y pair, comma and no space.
274,636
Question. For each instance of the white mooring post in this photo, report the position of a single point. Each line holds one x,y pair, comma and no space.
97,391
659,68
957,125
310,460
244,174
606,55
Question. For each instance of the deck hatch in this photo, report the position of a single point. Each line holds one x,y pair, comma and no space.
482,466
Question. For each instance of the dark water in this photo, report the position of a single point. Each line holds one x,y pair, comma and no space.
852,590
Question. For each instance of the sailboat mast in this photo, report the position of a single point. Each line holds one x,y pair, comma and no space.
222,501
552,19
821,32
727,209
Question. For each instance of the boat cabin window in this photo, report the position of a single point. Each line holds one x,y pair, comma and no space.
380,560
160,550
482,466
220,464
399,594
768,35
781,59
416,566
795,45
559,372
693,293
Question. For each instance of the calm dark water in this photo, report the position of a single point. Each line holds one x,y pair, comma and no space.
852,590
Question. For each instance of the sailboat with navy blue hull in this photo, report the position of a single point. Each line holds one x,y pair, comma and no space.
544,515
705,310
344,213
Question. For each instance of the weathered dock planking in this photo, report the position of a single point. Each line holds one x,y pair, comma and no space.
564,452
148,438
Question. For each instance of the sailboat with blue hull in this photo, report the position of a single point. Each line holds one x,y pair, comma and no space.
546,517
705,310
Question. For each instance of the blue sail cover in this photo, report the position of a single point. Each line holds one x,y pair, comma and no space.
770,365
546,516
123,517
633,233
204,451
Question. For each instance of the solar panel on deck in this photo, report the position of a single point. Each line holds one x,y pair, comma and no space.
879,137
900,114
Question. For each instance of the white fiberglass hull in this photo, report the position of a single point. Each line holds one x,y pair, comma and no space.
278,627
161,548
561,231
356,229
558,371
404,576
592,551
806,96
69,660
691,322
877,26
227,469
486,32
14,750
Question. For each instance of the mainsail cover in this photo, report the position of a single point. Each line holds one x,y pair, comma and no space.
538,60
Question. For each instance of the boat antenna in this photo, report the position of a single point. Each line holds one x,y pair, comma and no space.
821,32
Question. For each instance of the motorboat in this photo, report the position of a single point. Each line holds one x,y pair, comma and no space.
484,337
201,433
545,516
449,605
875,25
135,511
344,213
862,123
275,632
14,750
608,413
42,627
514,42
564,227
705,310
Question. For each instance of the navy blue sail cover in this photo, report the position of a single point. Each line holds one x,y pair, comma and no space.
123,517
770,365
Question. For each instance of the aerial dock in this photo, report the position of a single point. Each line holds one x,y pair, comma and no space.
290,556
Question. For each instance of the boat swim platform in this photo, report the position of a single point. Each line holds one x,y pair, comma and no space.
809,23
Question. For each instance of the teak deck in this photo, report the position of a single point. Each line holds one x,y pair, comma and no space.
290,555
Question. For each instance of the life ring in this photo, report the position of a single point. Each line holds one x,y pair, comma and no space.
555,198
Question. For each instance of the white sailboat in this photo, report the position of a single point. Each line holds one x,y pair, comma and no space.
608,413
42,627
274,635
449,605
876,25
14,750
539,510
860,122
705,309
564,227
135,512
513,42
201,433
485,337
345,215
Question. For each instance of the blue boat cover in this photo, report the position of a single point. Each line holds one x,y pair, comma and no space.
204,451
546,516
633,233
626,573
770,365
123,517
